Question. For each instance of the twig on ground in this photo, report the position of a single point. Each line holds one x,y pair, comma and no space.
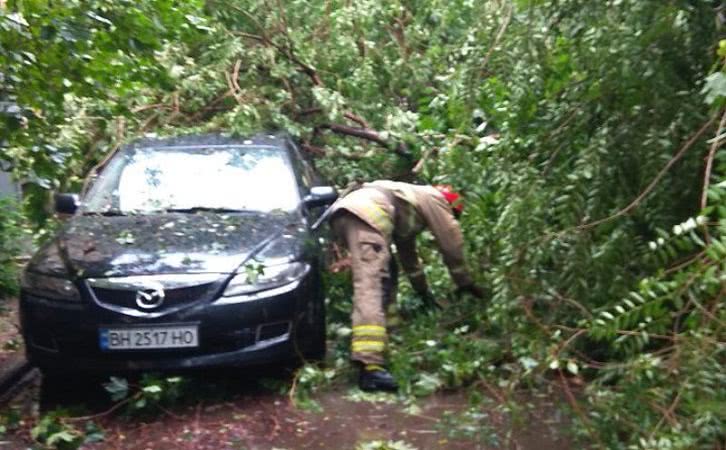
197,414
576,407
104,413
500,398
275,428
169,413
293,389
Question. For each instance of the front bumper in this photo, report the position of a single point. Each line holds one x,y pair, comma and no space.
277,325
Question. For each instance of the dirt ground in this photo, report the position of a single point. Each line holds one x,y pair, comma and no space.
260,422
239,414
11,345
232,410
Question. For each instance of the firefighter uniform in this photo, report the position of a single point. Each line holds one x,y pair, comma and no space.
369,219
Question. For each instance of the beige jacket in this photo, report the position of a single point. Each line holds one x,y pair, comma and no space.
400,211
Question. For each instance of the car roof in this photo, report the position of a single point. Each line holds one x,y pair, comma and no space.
273,139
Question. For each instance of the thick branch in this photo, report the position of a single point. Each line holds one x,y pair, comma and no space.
357,119
315,150
310,111
363,133
348,115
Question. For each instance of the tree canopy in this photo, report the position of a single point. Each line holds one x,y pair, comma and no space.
586,136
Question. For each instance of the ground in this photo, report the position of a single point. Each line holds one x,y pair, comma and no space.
240,409
11,345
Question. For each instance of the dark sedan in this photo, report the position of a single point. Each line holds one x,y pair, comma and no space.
185,252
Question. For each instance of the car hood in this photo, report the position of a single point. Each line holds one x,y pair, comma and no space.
98,246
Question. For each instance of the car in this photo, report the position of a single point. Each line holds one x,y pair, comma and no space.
185,252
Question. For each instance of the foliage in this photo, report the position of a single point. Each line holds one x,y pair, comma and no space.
387,445
10,235
151,393
10,420
473,424
72,70
307,378
577,130
54,431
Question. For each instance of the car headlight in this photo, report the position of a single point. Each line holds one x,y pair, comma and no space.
49,287
265,277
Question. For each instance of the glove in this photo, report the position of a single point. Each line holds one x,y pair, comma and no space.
471,289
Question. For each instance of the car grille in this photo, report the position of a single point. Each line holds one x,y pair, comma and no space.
122,295
173,297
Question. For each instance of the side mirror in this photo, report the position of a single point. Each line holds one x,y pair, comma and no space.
66,203
320,196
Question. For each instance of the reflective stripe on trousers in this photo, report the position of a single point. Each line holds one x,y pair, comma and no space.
368,338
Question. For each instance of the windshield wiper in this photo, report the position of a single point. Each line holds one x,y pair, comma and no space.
196,209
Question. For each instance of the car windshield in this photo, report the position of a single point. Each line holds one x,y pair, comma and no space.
192,179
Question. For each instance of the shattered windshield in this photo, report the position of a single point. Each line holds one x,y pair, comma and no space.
191,179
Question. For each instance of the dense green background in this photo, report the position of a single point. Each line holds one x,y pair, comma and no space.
586,219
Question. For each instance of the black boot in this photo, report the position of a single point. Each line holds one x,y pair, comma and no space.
376,378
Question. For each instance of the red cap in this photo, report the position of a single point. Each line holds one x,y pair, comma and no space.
455,200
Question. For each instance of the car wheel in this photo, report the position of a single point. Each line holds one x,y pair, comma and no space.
317,335
319,345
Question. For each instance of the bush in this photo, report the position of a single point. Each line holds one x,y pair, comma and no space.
10,234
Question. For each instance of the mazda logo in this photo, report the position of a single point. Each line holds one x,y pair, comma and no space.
150,298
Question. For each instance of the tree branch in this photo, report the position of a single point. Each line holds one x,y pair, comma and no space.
497,39
357,119
364,133
315,150
709,160
636,202
348,115
287,50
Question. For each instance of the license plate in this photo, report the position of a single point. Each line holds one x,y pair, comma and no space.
142,338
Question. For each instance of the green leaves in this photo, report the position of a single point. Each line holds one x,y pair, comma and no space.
54,432
11,245
147,395
70,69
552,117
715,88
117,387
